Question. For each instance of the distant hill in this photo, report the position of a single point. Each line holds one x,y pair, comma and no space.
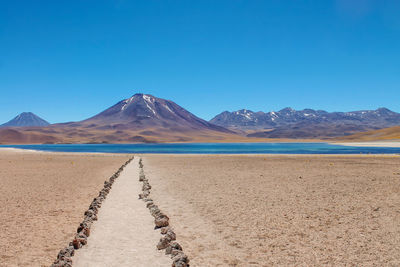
391,133
25,119
307,123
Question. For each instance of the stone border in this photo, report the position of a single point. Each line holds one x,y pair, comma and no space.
83,231
161,221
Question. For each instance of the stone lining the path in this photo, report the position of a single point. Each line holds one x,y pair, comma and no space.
83,231
161,221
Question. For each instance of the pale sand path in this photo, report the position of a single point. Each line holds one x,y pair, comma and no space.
124,234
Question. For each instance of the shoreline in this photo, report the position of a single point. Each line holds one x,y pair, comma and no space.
369,144
280,148
21,150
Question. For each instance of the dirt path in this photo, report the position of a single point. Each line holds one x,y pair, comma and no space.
124,234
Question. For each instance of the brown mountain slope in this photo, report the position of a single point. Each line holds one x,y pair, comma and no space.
26,136
391,133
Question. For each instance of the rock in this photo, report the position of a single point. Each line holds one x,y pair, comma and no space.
180,260
165,229
93,207
62,263
84,231
146,187
174,252
87,223
171,235
79,240
163,243
66,253
173,249
161,222
89,213
155,211
76,243
92,217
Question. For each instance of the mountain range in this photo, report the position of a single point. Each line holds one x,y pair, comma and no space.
140,118
146,118
307,123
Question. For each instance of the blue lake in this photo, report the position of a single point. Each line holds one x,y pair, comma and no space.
214,148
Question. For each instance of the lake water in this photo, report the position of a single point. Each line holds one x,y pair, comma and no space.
214,148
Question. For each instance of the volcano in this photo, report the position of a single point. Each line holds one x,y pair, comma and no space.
142,111
25,119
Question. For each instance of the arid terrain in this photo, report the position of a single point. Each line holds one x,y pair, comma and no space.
227,210
392,133
272,210
43,197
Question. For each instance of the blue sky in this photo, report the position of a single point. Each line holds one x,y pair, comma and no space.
68,60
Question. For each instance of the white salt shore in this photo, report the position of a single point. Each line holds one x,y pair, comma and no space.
371,144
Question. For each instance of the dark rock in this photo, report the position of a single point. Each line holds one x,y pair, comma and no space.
62,263
164,230
89,213
163,243
155,211
66,253
171,235
173,248
146,187
180,260
161,221
76,243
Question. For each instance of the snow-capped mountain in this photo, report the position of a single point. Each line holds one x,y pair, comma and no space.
306,122
25,119
146,111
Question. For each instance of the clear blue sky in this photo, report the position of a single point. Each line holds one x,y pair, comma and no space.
68,60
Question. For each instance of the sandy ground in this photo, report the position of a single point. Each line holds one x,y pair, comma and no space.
272,210
124,234
43,197
372,144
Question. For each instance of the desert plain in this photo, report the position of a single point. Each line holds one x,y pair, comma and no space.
226,210
281,210
43,197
